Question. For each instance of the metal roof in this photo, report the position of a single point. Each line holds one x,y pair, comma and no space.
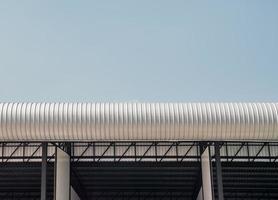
138,121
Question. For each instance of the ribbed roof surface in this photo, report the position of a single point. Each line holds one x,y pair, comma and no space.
138,121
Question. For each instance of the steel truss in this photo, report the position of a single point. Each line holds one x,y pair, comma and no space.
155,151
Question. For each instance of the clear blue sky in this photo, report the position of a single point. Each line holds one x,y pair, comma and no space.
139,50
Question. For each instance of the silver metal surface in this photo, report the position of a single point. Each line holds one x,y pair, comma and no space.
138,121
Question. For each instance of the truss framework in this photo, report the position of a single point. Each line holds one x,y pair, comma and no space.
140,151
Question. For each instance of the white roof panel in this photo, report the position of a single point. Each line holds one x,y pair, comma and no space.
138,121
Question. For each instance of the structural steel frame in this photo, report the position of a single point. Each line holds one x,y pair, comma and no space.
128,151
138,151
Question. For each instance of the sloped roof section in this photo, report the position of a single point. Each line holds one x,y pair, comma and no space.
138,121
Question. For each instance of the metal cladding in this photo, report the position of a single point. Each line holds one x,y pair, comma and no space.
138,121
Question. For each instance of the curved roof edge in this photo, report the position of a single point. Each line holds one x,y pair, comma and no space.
138,121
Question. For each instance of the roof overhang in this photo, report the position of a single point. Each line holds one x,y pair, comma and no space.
138,121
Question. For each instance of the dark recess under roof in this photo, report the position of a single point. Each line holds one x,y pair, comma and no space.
145,180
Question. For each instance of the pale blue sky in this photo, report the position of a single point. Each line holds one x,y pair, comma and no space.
139,50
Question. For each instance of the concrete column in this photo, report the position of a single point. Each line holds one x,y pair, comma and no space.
43,171
62,175
206,188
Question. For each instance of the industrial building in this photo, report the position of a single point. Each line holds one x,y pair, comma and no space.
144,151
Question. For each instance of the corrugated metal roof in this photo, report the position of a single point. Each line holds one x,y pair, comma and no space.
138,121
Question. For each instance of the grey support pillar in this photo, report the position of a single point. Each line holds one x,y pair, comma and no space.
218,172
44,171
62,175
206,189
